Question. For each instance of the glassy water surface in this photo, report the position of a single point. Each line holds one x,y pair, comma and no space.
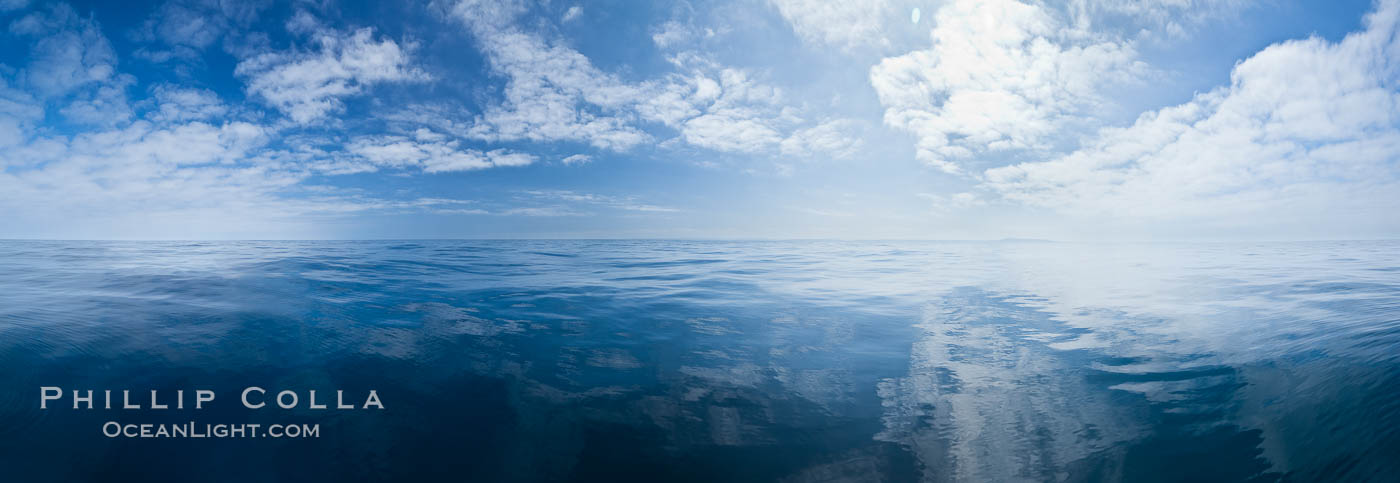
714,361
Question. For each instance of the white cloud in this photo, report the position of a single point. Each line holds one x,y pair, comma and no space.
946,204
307,86
549,211
71,66
19,111
555,93
552,92
621,203
68,53
672,33
431,156
186,169
146,147
195,164
740,115
723,132
847,25
744,115
184,29
577,159
1000,75
572,14
1306,131
176,104
840,139
105,105
141,170
180,24
202,179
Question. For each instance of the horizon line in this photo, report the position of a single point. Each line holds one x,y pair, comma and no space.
740,239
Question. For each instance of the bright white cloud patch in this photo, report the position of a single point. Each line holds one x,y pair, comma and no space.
307,86
1000,75
1306,130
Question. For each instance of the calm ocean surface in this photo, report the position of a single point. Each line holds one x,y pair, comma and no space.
713,361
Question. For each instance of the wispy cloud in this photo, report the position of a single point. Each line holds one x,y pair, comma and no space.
846,25
555,93
307,86
431,156
621,203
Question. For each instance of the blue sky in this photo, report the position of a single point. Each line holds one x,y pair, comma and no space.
1079,120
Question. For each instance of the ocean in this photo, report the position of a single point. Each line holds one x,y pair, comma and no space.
518,360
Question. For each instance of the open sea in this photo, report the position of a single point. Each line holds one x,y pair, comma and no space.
667,361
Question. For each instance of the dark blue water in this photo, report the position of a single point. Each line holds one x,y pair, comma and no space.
712,361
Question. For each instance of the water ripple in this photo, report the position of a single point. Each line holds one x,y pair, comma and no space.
729,361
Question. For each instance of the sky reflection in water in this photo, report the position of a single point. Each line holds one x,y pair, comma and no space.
741,361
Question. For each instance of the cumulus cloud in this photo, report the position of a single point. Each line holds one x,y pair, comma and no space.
1000,75
1305,128
308,86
